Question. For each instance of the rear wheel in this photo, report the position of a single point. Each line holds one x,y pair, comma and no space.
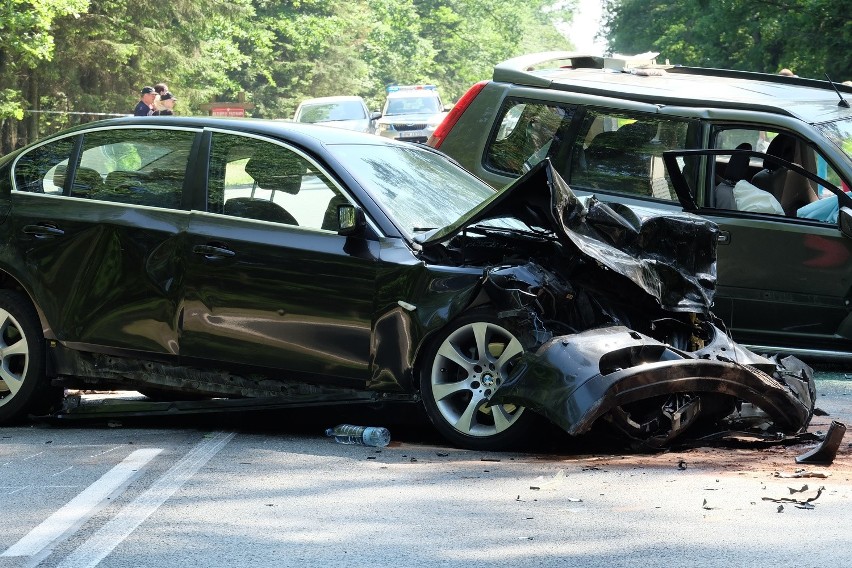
23,387
462,368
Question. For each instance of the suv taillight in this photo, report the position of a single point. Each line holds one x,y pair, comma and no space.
453,116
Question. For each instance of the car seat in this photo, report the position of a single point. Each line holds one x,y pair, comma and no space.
619,157
723,196
256,208
790,189
86,181
278,171
773,175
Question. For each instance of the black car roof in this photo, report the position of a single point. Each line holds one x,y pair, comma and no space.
646,81
274,128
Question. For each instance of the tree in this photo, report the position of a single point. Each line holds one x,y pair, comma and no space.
808,36
93,56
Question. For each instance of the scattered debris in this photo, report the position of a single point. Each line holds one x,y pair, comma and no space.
551,484
801,473
780,508
490,459
704,505
827,450
800,503
681,465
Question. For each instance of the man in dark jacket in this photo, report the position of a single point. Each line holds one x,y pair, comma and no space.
145,106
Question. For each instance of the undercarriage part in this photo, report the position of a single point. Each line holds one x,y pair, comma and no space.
74,408
654,424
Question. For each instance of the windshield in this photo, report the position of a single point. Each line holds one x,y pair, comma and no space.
345,110
417,188
413,105
839,132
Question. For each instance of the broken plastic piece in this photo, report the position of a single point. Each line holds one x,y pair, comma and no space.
827,450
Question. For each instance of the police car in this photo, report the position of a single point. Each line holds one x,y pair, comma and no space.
411,113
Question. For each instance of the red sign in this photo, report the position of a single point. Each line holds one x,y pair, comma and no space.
228,111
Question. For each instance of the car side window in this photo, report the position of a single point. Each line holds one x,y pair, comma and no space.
43,169
622,153
760,185
134,166
256,179
527,133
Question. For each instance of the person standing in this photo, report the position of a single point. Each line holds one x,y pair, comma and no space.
145,106
165,104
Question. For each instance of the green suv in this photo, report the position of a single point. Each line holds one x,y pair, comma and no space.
768,158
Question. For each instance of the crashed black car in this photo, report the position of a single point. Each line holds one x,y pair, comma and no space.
268,264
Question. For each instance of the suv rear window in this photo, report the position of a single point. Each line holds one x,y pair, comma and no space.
623,153
613,151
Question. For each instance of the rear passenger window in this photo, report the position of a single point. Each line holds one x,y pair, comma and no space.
623,153
137,167
43,169
528,132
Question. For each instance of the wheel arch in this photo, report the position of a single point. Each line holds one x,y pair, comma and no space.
9,282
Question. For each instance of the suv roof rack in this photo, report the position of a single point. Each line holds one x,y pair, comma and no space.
533,69
757,76
539,69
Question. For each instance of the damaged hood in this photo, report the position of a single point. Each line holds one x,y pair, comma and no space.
671,256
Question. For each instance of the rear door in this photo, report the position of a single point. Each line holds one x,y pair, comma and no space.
97,224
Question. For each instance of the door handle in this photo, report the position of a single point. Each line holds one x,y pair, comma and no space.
43,231
213,252
724,238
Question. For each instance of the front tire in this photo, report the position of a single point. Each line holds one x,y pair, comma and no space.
24,389
462,368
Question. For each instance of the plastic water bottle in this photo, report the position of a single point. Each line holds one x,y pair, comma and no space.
374,436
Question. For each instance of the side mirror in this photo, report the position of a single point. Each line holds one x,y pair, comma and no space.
350,219
375,115
844,221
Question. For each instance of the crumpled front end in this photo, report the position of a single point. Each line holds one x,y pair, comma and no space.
654,393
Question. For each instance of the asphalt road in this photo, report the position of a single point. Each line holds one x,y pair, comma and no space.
271,490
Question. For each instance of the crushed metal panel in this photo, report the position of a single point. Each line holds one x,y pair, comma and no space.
669,256
578,379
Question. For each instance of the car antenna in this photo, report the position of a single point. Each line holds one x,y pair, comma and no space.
843,102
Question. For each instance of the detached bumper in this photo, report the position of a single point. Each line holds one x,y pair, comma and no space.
574,380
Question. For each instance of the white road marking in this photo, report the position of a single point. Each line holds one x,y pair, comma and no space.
81,506
104,541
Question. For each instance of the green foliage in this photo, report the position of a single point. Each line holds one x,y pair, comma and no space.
810,37
95,55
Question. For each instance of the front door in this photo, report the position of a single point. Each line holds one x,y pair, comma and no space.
270,283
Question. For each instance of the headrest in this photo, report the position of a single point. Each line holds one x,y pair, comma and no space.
277,171
782,146
738,165
638,132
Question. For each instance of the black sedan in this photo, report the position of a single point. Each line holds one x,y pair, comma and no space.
282,264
